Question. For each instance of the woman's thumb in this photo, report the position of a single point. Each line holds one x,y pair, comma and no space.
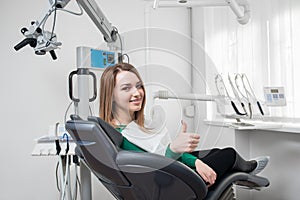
183,126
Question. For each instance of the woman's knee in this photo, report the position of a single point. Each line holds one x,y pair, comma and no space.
231,152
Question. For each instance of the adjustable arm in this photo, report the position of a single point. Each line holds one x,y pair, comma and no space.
239,7
243,16
95,13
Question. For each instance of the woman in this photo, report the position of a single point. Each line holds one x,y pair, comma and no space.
122,102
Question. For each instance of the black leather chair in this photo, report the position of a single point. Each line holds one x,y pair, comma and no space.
133,175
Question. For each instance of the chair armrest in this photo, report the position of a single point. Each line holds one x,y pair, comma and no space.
238,178
144,162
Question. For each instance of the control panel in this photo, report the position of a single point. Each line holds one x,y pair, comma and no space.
274,96
102,59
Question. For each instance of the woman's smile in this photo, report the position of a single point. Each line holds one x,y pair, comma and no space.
136,101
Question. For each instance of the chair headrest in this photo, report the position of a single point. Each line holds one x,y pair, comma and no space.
75,117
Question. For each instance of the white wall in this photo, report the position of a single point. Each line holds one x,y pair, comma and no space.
34,88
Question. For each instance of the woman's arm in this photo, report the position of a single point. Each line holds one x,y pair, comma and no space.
170,154
207,173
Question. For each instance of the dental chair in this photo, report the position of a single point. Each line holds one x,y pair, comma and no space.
133,175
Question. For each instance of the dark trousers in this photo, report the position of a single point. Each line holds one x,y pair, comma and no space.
220,160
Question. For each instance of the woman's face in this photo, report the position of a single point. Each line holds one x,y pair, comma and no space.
128,94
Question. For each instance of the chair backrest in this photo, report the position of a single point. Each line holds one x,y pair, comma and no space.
97,149
115,136
132,175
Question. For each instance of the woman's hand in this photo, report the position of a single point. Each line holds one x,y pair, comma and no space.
207,173
185,142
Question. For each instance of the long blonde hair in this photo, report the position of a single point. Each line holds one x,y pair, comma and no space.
107,85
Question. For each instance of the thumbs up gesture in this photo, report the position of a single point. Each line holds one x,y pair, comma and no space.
184,142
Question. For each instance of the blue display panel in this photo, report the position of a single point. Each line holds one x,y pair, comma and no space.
102,59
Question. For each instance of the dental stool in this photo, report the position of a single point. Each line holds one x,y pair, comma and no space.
133,175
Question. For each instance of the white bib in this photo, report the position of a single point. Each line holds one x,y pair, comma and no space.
154,141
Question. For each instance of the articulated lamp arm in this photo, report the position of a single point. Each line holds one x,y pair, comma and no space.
97,16
240,8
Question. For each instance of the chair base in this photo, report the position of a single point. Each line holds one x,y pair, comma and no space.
228,194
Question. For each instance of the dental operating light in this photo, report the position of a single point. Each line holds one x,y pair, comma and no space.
43,41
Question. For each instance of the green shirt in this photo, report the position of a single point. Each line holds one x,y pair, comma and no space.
185,158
